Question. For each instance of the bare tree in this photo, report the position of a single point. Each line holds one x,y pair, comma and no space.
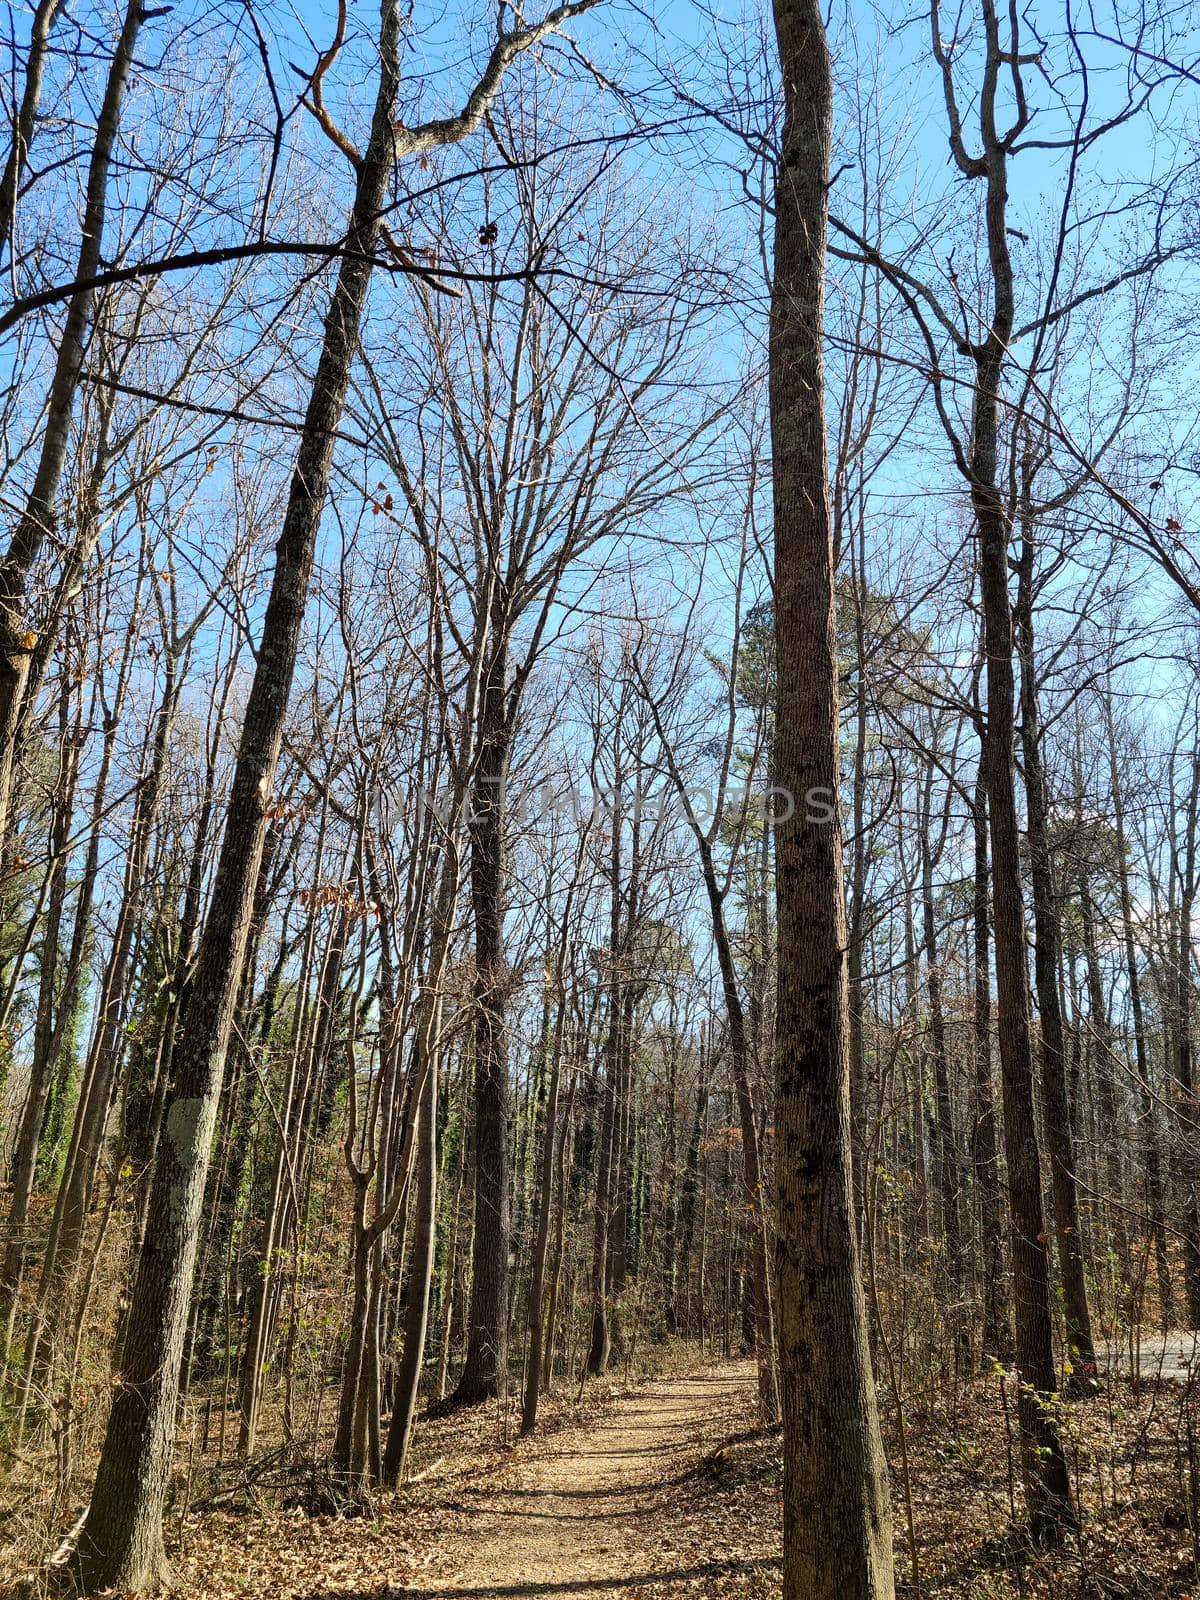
837,1521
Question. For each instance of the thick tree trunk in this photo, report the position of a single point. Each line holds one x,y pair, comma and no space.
837,1519
485,1372
121,1545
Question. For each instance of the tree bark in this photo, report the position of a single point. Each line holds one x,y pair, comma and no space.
837,1517
420,1278
51,1019
485,1371
997,1336
121,1545
1047,956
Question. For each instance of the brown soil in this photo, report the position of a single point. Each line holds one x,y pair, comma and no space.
588,1519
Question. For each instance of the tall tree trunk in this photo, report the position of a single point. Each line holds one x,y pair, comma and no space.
311,1037
687,1198
837,1520
121,1544
485,1371
560,1239
1044,1468
922,1230
859,1086
426,1060
1047,957
600,1347
997,1336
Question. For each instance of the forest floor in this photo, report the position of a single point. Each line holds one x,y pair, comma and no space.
669,1488
603,1513
663,1488
609,1504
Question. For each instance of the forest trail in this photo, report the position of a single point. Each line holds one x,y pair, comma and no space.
589,1520
1173,1355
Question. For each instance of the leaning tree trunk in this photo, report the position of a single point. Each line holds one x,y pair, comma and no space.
37,519
45,16
121,1545
837,1535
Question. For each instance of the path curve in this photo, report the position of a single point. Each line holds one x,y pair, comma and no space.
582,1521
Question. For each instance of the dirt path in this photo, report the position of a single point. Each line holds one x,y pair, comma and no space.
588,1519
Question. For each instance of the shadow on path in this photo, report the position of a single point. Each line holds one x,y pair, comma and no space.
569,1586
